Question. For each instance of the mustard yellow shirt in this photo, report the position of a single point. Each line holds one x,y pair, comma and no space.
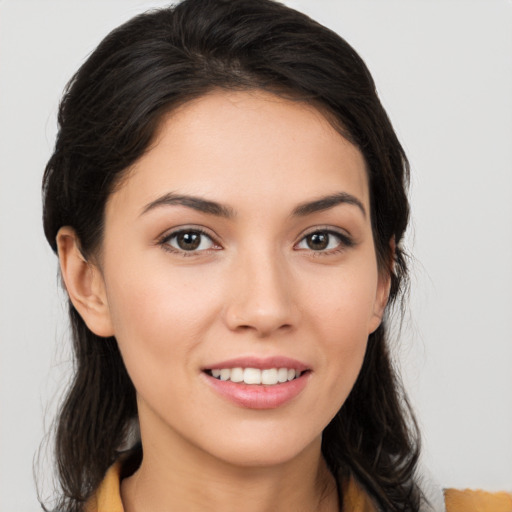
108,498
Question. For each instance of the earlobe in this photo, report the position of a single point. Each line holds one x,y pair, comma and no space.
84,284
383,290
381,301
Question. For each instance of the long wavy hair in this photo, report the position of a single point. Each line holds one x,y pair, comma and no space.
107,119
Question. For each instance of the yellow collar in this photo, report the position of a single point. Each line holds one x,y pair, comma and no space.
108,496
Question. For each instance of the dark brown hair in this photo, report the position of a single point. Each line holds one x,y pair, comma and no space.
107,119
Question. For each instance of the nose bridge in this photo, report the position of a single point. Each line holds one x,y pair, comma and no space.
262,296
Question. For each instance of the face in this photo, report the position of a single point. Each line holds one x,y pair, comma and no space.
240,275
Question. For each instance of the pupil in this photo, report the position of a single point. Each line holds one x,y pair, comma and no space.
318,241
189,241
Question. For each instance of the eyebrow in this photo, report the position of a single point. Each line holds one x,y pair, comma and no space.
196,203
327,202
220,210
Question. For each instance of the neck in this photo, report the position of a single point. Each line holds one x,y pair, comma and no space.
175,476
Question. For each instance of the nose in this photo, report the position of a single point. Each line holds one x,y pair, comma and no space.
262,298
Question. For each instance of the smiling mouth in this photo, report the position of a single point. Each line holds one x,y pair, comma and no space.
267,377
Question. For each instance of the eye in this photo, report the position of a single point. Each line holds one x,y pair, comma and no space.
188,240
324,241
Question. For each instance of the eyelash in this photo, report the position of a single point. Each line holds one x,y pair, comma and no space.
164,242
345,242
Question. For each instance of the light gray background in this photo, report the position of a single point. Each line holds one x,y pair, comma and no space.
443,70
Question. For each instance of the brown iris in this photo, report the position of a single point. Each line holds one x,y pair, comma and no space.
188,240
318,241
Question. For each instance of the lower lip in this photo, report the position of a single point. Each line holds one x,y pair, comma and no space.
259,396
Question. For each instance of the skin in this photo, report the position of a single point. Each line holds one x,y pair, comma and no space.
254,287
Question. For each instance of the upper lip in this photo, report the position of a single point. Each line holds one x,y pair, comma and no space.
262,363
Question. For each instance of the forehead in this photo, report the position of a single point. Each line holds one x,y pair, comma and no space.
250,146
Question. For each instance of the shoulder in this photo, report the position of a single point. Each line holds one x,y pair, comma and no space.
455,500
477,501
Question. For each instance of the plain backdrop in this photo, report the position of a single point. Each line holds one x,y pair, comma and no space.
444,73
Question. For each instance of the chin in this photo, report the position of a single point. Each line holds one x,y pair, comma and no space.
264,451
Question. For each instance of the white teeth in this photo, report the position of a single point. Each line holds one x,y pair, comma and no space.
237,375
268,377
282,374
225,374
252,376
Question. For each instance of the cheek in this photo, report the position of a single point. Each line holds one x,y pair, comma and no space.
341,314
158,317
343,357
343,303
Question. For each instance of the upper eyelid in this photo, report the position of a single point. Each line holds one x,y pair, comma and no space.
217,240
329,229
164,241
346,241
169,233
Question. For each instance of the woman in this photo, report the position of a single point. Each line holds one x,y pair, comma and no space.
227,198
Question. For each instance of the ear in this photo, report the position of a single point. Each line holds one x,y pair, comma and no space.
84,284
383,289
